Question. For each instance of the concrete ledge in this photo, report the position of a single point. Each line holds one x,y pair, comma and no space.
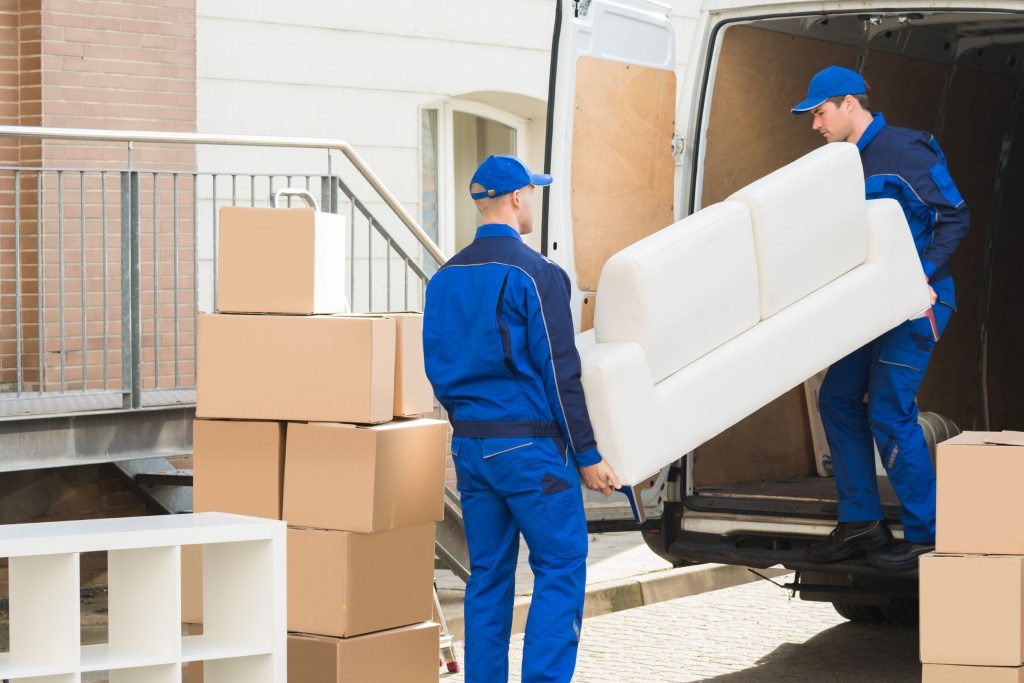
636,591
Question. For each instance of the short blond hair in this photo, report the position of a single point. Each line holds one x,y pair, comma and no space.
486,203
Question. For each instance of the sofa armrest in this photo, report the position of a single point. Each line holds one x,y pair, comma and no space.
630,425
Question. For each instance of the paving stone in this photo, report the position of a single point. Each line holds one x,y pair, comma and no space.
753,633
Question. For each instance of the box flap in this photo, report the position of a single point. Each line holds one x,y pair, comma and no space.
1006,438
970,439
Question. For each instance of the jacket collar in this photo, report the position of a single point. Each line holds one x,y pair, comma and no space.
872,131
497,230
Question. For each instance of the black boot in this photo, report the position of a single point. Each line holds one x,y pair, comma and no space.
849,539
899,556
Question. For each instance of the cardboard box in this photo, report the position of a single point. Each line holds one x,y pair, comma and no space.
979,505
193,671
413,393
298,368
365,478
406,655
346,584
280,261
238,466
946,673
192,584
972,610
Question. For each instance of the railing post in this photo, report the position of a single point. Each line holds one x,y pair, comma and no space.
325,193
126,289
131,300
136,293
329,194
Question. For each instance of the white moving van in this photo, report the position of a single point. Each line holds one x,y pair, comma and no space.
633,151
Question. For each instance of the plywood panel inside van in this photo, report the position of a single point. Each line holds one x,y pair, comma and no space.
761,75
622,165
773,443
1006,359
907,91
972,139
587,312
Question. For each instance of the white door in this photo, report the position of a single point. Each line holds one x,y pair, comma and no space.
612,124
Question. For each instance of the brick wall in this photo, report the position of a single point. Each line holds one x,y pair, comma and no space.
119,64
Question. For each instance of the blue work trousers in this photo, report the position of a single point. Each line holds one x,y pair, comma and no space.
888,371
508,486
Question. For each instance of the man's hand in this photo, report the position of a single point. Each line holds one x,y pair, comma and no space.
600,477
931,292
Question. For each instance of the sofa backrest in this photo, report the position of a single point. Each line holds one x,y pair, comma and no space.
683,291
813,206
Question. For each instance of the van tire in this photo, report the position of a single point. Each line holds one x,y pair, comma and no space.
903,611
860,614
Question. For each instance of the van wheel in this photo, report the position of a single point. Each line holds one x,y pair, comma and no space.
903,611
860,614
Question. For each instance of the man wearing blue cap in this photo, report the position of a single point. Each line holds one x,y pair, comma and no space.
908,166
500,353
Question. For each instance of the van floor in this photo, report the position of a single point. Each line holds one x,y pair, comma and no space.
810,496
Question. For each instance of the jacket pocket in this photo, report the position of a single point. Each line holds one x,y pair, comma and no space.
940,175
488,456
503,333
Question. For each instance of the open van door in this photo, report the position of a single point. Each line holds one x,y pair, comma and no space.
611,112
612,102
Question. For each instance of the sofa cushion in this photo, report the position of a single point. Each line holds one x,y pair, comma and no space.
631,426
809,225
683,291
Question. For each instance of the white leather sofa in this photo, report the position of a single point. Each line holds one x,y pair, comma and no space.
708,320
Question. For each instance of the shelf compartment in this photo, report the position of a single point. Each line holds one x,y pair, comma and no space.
56,678
144,600
207,648
44,608
167,673
104,656
257,669
13,668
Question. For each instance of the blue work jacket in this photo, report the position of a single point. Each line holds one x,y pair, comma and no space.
908,166
498,340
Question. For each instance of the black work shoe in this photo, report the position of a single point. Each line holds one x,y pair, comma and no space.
849,539
899,556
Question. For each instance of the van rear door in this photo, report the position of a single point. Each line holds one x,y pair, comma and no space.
611,125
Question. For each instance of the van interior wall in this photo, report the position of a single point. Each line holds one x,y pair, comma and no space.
760,75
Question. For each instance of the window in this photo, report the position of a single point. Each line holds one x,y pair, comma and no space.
456,136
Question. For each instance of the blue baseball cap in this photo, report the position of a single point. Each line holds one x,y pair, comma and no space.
500,174
831,82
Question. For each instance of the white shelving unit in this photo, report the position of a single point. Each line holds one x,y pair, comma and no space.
244,631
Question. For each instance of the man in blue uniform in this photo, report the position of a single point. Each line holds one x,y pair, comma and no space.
500,353
908,166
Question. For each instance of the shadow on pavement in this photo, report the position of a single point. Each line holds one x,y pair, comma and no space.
847,653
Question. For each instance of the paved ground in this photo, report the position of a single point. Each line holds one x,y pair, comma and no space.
622,572
748,634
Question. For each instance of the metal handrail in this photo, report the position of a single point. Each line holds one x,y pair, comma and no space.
130,136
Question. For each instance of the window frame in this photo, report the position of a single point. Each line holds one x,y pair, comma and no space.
445,155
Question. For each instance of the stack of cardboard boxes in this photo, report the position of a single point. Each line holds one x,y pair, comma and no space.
972,587
296,406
